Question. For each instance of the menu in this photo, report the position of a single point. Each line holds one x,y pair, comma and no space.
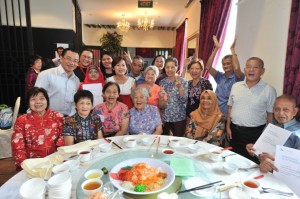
287,160
271,136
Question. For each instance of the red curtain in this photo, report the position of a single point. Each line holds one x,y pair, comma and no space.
292,63
179,51
214,14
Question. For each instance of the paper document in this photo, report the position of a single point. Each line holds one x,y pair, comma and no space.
287,160
271,136
96,89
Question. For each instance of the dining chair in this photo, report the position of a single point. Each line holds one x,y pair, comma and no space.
5,135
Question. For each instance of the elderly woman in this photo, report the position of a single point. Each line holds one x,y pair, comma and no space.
176,87
83,125
38,133
207,122
157,96
33,71
125,82
196,86
115,115
144,118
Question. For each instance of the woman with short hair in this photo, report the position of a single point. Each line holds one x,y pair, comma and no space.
144,118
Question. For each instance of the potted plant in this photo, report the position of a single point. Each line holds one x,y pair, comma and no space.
111,42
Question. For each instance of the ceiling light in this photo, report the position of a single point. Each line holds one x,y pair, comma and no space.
145,23
123,25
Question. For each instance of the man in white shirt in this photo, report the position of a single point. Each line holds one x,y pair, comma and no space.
61,83
56,60
250,107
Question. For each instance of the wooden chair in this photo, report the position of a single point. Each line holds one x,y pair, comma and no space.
5,135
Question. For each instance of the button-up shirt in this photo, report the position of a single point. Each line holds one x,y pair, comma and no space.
60,88
223,89
294,139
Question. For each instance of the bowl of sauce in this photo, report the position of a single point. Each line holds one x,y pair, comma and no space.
168,151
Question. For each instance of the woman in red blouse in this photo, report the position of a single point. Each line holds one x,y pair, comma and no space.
39,133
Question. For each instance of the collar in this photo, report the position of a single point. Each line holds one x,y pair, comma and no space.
62,72
260,83
290,123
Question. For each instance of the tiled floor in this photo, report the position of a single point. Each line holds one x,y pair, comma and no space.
7,169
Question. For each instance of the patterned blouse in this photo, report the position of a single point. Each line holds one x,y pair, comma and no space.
194,94
82,129
112,118
35,136
144,121
176,105
215,137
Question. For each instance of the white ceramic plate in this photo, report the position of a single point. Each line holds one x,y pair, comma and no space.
197,181
151,162
241,162
236,193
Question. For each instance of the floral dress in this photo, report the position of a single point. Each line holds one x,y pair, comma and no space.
113,118
82,129
145,120
35,136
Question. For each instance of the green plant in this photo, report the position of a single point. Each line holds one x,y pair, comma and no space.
111,42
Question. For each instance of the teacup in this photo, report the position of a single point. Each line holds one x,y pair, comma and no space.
84,155
91,186
229,167
93,174
251,186
174,142
130,141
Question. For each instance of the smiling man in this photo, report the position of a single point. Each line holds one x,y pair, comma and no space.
85,60
61,83
250,107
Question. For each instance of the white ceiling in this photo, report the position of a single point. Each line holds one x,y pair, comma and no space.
109,12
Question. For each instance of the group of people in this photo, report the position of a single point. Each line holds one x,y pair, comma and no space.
154,100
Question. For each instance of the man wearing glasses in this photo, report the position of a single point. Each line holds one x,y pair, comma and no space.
61,83
85,60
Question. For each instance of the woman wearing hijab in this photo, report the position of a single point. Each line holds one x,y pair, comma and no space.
93,76
207,122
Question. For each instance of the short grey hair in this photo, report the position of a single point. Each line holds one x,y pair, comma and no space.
144,91
154,68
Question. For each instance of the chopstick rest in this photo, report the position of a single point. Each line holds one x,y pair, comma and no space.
201,187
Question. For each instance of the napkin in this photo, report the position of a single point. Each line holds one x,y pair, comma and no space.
76,147
182,166
41,167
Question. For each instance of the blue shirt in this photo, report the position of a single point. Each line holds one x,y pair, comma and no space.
144,121
294,139
224,87
139,79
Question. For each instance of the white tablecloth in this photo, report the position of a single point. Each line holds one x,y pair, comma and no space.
10,190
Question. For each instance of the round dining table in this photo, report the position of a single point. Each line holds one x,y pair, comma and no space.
204,167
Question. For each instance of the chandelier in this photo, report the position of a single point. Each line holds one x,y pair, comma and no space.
123,25
145,23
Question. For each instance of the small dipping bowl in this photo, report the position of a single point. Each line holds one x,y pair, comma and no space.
215,154
194,148
93,174
91,186
147,141
105,147
33,189
168,151
229,168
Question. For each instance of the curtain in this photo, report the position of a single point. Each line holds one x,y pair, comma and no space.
180,45
213,19
292,62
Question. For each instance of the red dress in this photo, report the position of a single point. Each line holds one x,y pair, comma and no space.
35,136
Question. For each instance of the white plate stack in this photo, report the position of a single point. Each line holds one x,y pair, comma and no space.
60,186
34,188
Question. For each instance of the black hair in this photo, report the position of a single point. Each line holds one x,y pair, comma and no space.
66,50
89,50
34,91
226,57
33,58
115,61
108,84
101,65
83,94
163,70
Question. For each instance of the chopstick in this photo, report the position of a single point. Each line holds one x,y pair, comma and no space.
201,187
152,143
108,140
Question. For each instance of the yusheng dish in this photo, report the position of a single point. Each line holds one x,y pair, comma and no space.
141,177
